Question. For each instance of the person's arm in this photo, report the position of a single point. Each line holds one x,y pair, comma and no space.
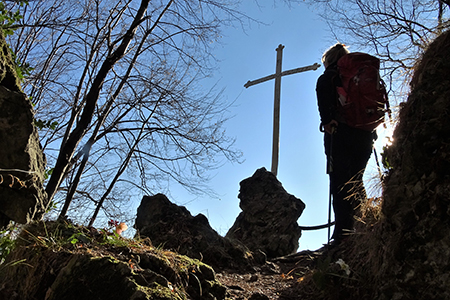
326,101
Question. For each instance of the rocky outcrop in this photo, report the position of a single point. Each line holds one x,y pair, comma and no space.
173,227
8,75
268,221
417,191
22,163
66,262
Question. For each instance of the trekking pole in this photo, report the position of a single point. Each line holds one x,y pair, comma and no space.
329,216
378,163
329,170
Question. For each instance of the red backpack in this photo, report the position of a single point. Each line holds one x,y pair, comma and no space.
363,95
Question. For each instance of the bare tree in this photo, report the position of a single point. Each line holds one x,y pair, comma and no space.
120,78
398,31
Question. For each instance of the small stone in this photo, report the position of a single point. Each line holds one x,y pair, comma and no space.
253,278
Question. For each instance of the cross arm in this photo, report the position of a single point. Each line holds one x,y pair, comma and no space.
288,72
253,82
302,69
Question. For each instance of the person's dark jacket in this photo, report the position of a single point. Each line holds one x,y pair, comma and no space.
327,97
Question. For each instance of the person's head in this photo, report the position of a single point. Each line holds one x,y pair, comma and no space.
333,54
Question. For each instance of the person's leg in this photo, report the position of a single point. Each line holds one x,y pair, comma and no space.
342,205
351,151
343,210
361,149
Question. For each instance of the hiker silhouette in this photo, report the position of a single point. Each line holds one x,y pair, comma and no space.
347,148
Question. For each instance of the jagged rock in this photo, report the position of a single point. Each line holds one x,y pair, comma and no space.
268,220
173,227
22,163
51,269
8,76
417,196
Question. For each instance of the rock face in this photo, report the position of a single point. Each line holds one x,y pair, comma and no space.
62,267
268,221
8,76
173,227
417,191
22,163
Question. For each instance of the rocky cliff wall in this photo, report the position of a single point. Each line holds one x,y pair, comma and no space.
22,162
416,214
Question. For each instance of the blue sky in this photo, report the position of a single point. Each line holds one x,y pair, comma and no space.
251,55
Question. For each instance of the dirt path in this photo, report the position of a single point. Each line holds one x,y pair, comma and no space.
278,279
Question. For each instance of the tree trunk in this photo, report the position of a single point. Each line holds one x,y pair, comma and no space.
69,147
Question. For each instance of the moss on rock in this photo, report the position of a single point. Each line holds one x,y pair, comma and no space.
57,267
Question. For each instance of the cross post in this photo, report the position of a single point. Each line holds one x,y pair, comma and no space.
276,108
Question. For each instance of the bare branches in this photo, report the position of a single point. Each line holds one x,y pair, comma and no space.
69,145
120,78
398,31
447,2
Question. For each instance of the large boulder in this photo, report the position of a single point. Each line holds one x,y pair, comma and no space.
173,227
268,220
22,162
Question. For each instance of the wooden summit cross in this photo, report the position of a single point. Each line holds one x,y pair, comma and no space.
276,108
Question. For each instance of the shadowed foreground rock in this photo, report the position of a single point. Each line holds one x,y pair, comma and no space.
60,261
417,193
173,227
268,221
22,163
